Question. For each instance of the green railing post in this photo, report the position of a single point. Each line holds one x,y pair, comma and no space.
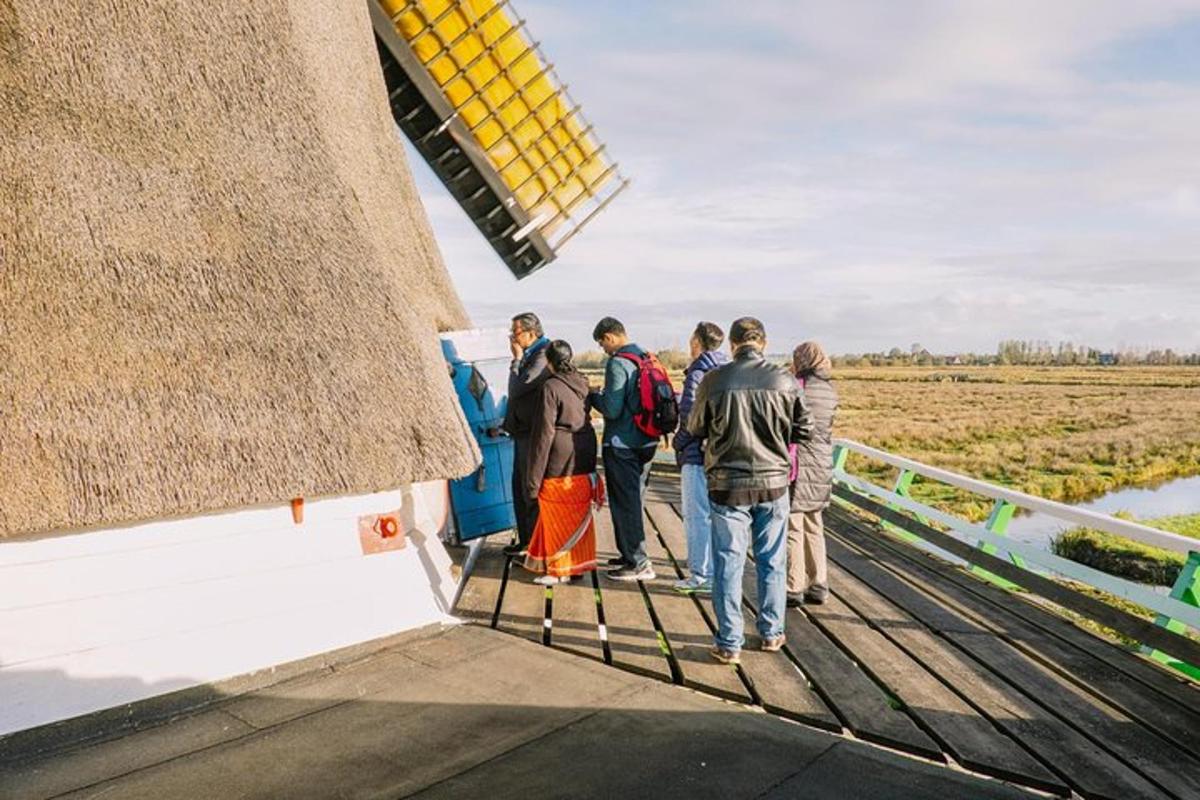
840,454
1185,590
997,523
904,483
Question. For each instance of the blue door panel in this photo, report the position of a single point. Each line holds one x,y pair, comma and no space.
479,363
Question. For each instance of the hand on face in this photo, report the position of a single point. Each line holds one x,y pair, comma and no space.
518,340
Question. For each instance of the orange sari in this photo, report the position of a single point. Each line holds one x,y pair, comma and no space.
564,539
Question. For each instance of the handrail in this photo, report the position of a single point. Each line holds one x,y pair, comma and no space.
1167,642
1128,590
1078,516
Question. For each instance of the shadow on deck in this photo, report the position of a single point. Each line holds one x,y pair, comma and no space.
911,653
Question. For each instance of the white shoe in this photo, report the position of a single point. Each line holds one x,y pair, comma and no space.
629,574
693,585
550,580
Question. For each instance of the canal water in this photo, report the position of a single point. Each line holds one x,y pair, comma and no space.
1180,496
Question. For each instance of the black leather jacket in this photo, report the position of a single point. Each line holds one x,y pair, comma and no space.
749,411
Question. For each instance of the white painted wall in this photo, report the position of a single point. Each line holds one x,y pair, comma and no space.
102,618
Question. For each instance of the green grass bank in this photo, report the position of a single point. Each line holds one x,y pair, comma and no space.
1117,555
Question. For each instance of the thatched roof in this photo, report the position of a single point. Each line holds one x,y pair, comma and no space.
218,287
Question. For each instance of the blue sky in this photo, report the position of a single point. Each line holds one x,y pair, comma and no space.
874,174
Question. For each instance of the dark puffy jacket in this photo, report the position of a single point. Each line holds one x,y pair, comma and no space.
525,378
814,458
748,411
689,449
562,441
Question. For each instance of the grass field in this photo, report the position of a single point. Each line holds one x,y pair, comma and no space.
1060,433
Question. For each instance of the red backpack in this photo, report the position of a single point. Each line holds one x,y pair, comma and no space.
657,412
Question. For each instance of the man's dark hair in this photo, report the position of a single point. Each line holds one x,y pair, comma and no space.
559,354
709,334
529,322
606,326
747,330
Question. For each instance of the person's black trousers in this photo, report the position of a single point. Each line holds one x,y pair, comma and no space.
625,475
526,510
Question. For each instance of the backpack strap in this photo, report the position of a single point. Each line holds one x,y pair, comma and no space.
638,361
633,397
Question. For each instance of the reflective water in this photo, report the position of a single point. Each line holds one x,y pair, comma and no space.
1181,496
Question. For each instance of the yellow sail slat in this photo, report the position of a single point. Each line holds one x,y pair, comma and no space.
488,71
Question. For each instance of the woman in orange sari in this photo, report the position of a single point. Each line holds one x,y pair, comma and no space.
562,474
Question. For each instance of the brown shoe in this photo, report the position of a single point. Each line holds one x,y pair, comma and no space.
726,656
816,595
774,644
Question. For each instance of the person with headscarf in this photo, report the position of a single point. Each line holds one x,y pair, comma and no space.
812,479
561,478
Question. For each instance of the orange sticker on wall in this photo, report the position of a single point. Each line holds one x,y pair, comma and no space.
380,533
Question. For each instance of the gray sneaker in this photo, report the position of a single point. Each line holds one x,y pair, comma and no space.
693,585
642,573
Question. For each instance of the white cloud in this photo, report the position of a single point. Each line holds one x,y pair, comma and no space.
873,173
1185,201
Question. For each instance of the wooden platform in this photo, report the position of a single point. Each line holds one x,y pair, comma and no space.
910,653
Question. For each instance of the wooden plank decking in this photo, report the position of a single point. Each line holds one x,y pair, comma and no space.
911,652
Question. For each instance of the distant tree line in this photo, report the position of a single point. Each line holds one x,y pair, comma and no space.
671,358
1019,352
1010,352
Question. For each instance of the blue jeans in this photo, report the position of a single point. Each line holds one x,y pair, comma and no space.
697,520
735,528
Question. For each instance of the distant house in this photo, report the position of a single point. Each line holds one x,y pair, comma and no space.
1106,359
219,357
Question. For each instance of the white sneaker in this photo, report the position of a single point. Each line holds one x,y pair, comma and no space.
550,580
645,573
693,585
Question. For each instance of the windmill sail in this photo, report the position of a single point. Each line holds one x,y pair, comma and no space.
488,113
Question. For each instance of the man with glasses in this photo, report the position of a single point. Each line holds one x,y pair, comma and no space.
525,378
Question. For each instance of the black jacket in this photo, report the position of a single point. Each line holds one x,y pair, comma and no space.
748,411
562,441
525,378
814,458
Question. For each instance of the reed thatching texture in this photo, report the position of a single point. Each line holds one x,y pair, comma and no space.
218,287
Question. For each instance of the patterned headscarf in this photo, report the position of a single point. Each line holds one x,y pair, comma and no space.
809,358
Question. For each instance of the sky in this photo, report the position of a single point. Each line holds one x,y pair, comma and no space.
873,174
